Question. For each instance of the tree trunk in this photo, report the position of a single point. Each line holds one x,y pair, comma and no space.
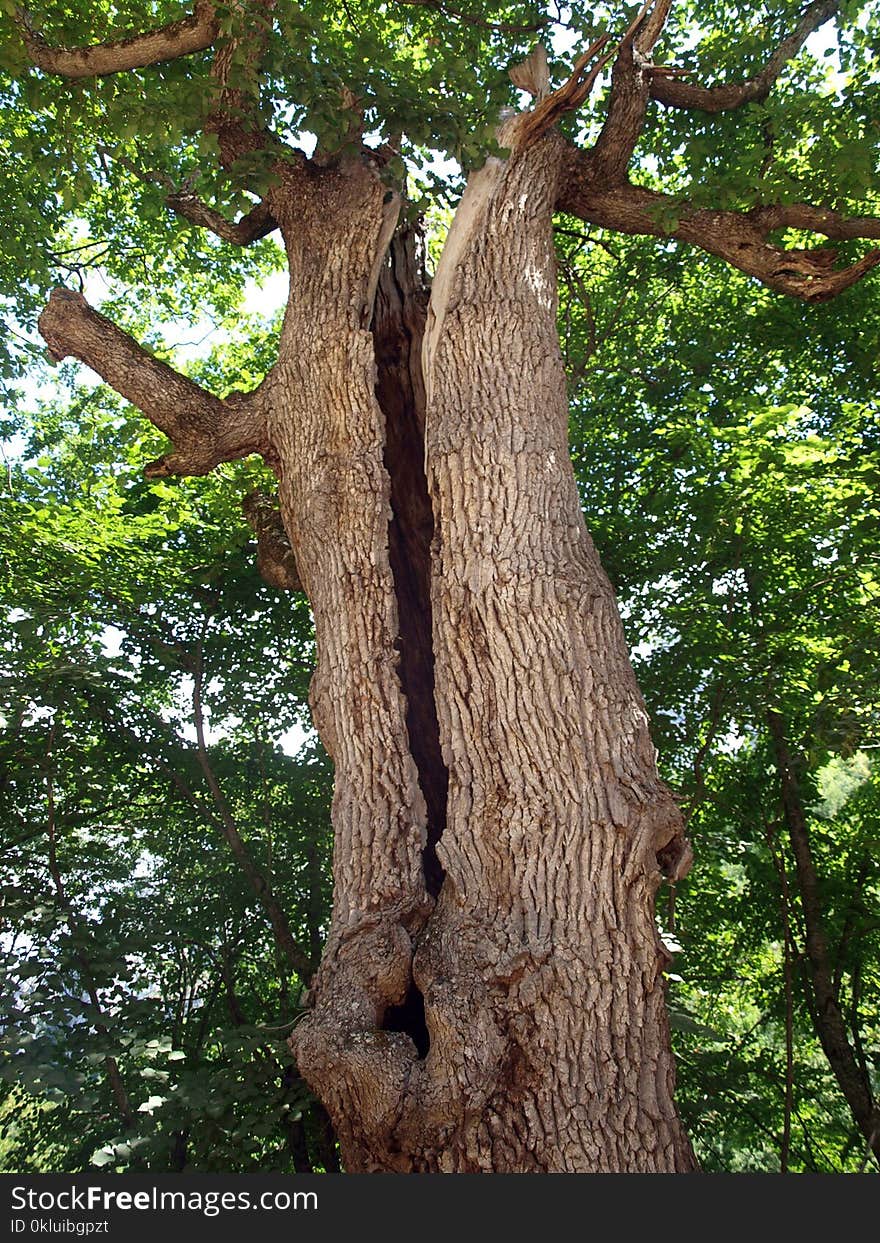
491,998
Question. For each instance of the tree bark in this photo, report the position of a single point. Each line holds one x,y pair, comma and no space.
541,968
328,431
520,1026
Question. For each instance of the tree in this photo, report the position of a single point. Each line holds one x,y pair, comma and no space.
164,866
491,992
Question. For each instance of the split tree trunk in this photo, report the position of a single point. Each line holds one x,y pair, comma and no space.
491,998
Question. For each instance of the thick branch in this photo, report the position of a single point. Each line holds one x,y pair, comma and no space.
276,559
612,151
181,38
738,237
205,429
810,219
628,99
249,228
235,115
674,93
652,29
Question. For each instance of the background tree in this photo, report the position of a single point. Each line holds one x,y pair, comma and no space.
165,866
496,871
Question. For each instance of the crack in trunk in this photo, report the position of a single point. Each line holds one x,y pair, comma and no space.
398,328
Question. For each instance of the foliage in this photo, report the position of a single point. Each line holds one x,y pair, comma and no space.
137,935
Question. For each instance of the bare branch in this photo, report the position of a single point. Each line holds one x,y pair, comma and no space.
205,430
533,125
181,38
668,90
249,228
738,237
276,559
812,219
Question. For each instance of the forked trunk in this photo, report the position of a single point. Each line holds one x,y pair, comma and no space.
491,998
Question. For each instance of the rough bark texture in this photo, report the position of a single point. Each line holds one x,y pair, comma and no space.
527,1031
541,968
740,238
329,436
191,34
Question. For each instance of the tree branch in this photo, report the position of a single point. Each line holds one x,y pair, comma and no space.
648,34
627,101
810,219
740,238
205,430
533,125
181,38
628,98
235,116
249,228
830,1025
676,94
257,223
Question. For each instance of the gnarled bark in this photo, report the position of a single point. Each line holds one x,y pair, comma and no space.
329,436
541,967
527,1029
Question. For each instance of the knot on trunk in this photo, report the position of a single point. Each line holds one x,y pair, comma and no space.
672,849
276,559
359,1070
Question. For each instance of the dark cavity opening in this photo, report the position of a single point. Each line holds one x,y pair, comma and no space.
398,327
409,1017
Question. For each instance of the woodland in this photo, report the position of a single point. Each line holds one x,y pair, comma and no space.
438,907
